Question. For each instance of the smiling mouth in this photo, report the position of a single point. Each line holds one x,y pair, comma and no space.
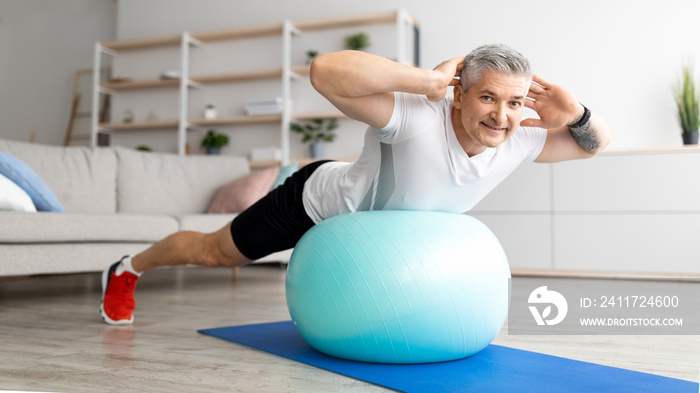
494,128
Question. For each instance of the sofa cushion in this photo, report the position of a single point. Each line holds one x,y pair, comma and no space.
83,179
12,197
84,227
172,184
284,173
22,175
240,194
206,223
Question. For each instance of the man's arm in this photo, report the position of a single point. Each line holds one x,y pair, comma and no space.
361,85
569,135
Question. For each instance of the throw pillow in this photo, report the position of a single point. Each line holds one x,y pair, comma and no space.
243,192
19,172
14,198
285,172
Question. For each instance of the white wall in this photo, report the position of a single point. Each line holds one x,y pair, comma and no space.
620,58
42,44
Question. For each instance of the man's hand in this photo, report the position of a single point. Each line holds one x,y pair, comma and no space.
446,71
555,106
362,85
558,109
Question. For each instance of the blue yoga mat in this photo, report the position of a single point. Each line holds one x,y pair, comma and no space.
495,369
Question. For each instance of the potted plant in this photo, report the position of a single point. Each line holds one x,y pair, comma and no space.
210,112
359,41
214,141
128,116
316,132
688,102
311,55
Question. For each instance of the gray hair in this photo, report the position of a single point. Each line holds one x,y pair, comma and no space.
493,57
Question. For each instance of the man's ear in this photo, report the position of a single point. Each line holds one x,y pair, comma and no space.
457,91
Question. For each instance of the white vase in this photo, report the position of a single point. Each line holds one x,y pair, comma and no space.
210,113
316,149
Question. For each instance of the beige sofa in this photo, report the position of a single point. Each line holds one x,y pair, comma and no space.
117,201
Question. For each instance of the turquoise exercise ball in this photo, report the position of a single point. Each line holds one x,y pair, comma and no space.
398,286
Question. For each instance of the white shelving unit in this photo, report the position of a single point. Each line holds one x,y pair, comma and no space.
406,51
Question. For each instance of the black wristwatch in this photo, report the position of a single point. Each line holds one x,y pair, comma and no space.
583,120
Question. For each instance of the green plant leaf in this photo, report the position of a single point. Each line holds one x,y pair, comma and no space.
333,125
687,98
214,139
357,41
316,130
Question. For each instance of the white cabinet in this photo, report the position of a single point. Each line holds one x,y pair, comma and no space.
629,212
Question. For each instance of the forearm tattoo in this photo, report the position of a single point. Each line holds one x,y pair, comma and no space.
586,136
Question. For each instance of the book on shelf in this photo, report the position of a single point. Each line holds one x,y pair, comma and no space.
271,106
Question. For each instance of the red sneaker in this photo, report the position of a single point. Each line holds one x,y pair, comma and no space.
117,306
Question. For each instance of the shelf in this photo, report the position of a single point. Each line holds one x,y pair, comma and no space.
238,76
144,43
653,150
138,126
204,79
288,77
346,21
141,84
306,161
303,70
238,33
259,119
249,75
329,114
261,164
258,31
233,120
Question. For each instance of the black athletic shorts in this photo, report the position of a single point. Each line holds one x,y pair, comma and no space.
277,221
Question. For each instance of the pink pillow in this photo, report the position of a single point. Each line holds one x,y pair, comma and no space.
243,192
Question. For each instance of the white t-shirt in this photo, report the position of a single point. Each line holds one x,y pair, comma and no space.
416,163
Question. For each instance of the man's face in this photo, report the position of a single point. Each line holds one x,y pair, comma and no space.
490,111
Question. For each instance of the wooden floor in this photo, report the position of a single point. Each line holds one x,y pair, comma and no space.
52,338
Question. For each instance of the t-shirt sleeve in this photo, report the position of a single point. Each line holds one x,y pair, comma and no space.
412,114
532,140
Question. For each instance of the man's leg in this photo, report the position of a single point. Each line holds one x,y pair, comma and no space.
274,223
186,247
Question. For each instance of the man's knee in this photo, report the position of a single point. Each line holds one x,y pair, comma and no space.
207,252
219,250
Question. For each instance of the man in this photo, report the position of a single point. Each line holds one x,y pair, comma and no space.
423,151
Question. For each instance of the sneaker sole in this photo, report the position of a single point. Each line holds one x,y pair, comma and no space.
105,280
